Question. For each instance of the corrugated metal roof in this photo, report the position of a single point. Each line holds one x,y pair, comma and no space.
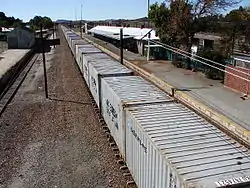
207,36
109,34
201,154
95,56
109,66
128,32
133,88
89,49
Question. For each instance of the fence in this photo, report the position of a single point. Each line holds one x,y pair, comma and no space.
237,83
3,46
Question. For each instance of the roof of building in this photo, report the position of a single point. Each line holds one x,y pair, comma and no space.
207,36
43,30
128,32
23,28
4,29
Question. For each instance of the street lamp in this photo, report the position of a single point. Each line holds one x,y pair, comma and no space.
148,6
81,22
148,11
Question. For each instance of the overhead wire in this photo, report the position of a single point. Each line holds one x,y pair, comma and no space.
203,62
196,58
194,55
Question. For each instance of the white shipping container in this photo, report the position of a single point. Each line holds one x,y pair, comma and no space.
78,42
70,34
104,68
73,39
93,57
168,145
118,92
88,56
79,53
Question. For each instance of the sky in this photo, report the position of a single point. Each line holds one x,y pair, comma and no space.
70,9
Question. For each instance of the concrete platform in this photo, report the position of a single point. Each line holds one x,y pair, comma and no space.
208,97
10,63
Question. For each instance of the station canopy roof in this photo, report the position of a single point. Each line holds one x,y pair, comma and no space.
128,32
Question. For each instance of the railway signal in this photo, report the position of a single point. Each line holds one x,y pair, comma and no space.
45,47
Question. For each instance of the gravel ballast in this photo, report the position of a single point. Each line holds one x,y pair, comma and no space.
56,142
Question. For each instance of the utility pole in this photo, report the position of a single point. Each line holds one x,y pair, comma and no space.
148,52
54,33
75,16
81,22
121,45
44,63
148,12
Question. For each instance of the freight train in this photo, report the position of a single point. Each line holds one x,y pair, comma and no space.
164,144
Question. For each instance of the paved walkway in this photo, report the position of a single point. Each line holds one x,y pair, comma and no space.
209,92
9,59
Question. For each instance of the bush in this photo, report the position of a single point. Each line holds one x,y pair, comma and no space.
213,72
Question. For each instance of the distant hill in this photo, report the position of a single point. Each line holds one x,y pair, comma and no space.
63,21
137,22
143,19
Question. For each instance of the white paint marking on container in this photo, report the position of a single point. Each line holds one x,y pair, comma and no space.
118,92
181,149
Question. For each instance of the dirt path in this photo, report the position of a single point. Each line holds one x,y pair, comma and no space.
58,142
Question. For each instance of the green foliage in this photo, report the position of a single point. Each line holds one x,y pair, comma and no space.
236,31
159,14
177,22
181,19
37,21
210,23
9,21
216,56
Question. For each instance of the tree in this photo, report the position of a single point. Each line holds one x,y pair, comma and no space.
8,21
159,15
37,21
216,56
47,23
235,31
184,18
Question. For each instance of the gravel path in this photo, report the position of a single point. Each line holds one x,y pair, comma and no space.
57,142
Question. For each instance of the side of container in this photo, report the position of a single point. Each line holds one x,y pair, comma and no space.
71,42
86,58
79,51
111,110
104,68
69,35
147,166
78,42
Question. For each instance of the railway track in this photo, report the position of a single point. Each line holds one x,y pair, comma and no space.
13,86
